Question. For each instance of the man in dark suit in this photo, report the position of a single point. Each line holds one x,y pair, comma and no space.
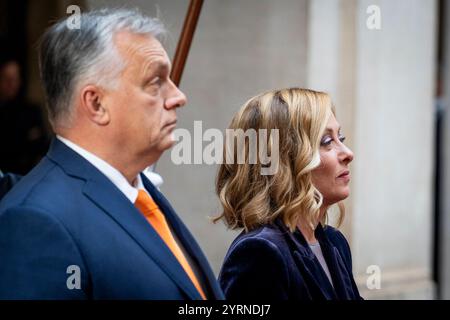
85,223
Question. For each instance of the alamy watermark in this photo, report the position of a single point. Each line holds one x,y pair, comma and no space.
263,147
374,279
74,21
74,279
373,21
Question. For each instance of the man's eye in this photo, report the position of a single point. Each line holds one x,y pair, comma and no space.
156,81
342,139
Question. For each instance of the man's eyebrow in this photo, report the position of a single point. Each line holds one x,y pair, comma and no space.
155,67
159,66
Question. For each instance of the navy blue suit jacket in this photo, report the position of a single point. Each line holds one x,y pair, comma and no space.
66,213
271,263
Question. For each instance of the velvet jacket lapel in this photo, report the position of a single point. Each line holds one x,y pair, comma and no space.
342,280
310,267
100,190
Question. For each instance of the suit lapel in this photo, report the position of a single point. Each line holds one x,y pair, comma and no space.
120,209
186,239
100,190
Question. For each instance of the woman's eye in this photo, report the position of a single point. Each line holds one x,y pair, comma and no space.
326,141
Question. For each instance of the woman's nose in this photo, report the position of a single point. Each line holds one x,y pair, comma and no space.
346,154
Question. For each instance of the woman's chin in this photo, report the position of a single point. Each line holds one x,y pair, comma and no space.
345,193
339,196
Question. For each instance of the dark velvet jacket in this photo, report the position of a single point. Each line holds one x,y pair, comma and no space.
271,263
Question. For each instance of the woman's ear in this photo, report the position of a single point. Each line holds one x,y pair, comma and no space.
93,105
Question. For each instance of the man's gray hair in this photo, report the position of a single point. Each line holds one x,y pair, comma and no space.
69,58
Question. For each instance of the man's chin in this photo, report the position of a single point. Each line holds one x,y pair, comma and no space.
164,145
168,143
172,138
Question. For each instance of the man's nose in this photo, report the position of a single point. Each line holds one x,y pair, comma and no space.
176,98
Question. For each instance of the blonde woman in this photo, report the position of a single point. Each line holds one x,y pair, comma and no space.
286,250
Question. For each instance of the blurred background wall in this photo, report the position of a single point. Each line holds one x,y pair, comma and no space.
390,86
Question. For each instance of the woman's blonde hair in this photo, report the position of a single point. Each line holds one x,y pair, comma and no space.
250,199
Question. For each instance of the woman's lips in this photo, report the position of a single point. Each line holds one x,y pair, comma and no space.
344,176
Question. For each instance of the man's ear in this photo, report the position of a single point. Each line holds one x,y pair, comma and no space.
93,105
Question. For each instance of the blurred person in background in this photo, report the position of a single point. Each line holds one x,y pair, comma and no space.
286,250
23,135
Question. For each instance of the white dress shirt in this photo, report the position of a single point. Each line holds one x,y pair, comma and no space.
154,177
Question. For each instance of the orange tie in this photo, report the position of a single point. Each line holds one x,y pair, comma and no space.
151,212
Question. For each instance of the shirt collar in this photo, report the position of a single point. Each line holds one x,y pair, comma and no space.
117,178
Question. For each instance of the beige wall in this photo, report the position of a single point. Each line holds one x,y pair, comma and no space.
395,109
